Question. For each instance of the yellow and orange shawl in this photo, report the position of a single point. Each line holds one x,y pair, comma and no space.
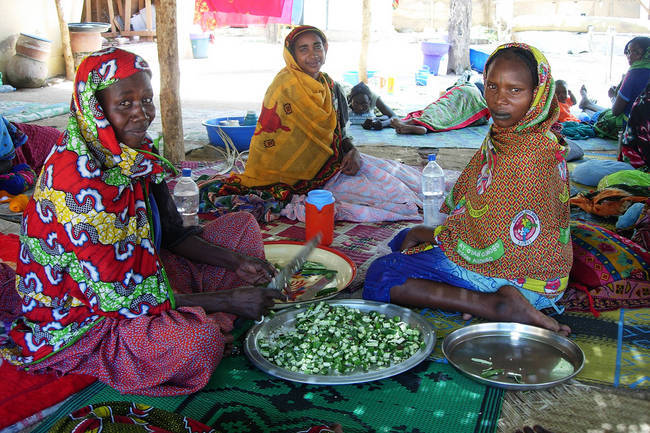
509,210
297,138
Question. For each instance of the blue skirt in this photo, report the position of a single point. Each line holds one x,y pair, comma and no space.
395,268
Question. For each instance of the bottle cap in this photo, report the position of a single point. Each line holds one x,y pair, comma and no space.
432,157
187,172
320,198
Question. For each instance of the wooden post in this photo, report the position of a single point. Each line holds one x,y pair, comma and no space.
65,41
365,40
460,22
170,101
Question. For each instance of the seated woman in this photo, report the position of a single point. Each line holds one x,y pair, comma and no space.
112,284
363,106
611,121
503,252
635,143
460,106
301,144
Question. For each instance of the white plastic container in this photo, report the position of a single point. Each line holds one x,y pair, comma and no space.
186,197
433,189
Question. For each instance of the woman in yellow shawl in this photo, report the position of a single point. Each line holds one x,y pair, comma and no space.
300,144
504,252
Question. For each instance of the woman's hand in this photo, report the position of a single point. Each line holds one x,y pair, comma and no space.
351,163
251,302
255,271
418,235
246,301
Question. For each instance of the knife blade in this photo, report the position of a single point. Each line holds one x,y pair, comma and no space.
281,280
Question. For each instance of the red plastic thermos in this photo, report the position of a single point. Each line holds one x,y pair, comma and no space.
319,215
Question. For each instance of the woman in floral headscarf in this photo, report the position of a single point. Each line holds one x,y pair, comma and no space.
301,143
504,252
103,249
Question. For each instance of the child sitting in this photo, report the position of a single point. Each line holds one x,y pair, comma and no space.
503,252
363,104
565,100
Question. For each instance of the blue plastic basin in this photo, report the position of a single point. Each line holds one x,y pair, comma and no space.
477,59
240,135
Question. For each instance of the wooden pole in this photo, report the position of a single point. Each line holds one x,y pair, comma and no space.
365,41
170,105
65,41
460,21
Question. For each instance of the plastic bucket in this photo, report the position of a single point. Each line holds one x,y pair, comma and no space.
433,52
200,46
477,59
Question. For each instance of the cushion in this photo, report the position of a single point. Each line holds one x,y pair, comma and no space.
608,272
591,171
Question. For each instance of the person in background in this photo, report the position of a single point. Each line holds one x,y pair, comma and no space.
635,143
611,121
566,100
504,251
461,105
112,284
364,105
301,143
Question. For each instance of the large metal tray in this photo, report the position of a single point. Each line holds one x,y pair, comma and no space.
543,358
286,318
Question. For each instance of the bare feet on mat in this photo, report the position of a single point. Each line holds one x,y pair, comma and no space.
405,128
514,307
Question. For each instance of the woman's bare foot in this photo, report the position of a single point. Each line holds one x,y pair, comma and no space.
584,100
513,307
406,128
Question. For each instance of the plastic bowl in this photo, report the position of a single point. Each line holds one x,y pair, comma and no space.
435,48
240,135
477,59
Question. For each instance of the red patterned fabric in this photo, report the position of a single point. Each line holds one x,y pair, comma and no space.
176,351
40,141
609,271
509,211
86,236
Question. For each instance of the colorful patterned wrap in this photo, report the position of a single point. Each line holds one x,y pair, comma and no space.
87,249
509,212
296,146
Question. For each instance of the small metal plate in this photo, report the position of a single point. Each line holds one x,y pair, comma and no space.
286,318
281,252
89,27
541,357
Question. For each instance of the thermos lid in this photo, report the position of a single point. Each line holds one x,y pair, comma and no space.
320,198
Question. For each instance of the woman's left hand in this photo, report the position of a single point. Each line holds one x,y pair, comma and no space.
351,163
255,271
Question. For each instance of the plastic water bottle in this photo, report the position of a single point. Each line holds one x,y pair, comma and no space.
433,188
186,197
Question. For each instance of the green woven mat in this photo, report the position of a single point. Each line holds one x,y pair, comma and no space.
240,398
21,112
616,344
